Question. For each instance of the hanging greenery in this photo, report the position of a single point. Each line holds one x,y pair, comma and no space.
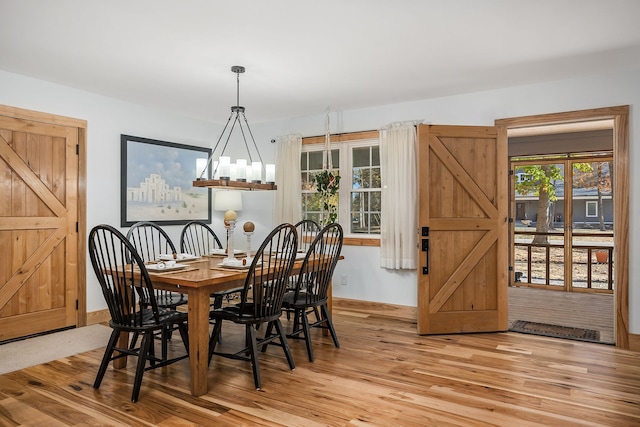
327,185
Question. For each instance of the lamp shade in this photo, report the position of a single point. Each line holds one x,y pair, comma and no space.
228,200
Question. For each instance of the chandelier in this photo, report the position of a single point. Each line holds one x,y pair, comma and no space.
240,175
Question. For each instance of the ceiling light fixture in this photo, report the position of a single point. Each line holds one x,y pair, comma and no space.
240,175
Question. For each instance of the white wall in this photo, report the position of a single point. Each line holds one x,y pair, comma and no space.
108,118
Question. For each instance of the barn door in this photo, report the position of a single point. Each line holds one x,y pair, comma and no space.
39,240
463,229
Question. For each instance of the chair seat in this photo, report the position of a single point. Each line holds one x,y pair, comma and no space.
240,315
145,320
304,299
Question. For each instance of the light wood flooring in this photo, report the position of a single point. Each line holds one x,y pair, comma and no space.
384,374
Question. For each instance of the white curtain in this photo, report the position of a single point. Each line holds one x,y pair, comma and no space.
399,225
288,206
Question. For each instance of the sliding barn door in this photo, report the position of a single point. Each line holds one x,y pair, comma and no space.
463,229
39,240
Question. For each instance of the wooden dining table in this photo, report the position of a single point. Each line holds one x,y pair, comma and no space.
198,280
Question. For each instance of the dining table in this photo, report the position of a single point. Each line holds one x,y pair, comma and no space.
198,278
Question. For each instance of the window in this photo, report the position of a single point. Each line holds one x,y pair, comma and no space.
591,209
360,194
311,164
366,193
523,177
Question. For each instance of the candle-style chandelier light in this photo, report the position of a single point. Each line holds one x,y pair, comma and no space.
240,175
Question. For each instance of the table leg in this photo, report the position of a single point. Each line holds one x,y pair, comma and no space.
198,340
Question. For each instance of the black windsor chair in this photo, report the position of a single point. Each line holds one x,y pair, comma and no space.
261,300
307,230
115,260
311,291
151,242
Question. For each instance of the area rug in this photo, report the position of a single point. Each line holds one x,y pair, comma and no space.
22,354
556,331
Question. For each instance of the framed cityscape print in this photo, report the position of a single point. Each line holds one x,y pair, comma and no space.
156,182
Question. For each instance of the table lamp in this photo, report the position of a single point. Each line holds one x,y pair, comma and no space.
230,202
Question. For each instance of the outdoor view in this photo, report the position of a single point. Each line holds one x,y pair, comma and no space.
551,209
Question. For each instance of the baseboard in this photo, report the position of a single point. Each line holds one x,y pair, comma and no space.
100,316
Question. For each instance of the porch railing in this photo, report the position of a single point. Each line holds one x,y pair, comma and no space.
577,247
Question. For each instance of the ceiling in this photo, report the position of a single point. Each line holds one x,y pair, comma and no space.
303,57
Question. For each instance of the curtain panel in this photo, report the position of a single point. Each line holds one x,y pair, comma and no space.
288,205
398,235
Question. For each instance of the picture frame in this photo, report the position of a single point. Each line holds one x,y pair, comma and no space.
156,182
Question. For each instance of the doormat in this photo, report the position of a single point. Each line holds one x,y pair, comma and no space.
555,331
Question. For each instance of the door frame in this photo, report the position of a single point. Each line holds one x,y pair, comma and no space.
81,201
620,117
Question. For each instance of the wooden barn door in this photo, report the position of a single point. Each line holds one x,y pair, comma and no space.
463,229
40,267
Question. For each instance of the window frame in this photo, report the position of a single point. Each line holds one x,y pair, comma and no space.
344,143
593,203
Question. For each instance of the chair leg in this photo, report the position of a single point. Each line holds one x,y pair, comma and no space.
329,322
213,340
285,344
165,336
147,342
307,333
184,334
106,358
250,333
217,303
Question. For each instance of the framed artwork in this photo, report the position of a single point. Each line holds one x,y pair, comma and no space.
156,182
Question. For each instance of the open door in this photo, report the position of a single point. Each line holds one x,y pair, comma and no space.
463,229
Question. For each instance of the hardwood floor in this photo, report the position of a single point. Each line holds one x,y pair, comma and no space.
384,374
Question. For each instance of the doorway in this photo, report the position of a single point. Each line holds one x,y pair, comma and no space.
618,117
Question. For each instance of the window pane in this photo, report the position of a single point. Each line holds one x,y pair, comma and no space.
314,202
374,223
335,158
375,156
357,221
359,209
361,156
359,202
376,181
306,181
356,202
303,161
357,178
376,201
366,178
315,160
